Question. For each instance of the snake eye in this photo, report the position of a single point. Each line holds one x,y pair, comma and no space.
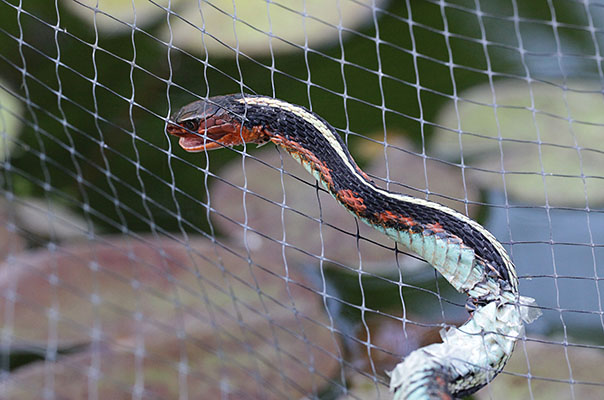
190,125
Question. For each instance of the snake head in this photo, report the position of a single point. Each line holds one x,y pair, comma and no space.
214,123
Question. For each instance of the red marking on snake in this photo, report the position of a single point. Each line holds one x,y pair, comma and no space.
435,227
295,148
352,200
389,216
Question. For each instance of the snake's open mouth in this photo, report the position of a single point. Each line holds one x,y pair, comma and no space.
209,136
215,123
196,143
216,133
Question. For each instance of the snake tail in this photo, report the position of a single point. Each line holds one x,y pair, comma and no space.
460,249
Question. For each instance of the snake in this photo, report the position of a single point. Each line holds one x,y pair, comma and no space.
467,255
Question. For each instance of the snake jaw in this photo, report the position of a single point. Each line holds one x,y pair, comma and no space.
207,126
215,133
212,133
195,144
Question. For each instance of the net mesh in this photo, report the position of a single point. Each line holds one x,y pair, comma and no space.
132,269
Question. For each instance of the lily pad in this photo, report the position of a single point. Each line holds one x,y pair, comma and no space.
255,28
10,125
11,242
225,25
48,219
542,140
205,308
107,14
261,359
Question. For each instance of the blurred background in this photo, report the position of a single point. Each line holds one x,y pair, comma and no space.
132,269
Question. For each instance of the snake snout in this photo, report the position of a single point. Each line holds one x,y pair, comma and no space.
175,130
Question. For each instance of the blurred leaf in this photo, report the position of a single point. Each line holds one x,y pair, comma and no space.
232,326
49,219
255,28
10,125
221,26
547,139
209,362
557,372
111,16
11,242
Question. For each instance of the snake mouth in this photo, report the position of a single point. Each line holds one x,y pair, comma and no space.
195,144
212,134
216,134
202,141
205,126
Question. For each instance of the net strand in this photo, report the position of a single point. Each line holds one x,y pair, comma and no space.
107,204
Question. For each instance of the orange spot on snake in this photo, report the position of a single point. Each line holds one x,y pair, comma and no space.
389,217
352,200
435,227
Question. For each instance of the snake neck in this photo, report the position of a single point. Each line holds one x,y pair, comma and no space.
318,147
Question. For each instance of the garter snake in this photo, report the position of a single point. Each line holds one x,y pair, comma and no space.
464,252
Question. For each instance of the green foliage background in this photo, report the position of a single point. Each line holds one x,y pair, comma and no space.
89,108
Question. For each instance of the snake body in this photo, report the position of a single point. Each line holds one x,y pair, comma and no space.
464,252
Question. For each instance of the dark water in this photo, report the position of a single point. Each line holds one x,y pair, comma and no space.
560,264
